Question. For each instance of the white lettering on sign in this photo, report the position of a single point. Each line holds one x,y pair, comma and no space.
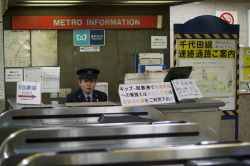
67,22
113,21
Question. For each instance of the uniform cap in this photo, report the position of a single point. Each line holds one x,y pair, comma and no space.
88,73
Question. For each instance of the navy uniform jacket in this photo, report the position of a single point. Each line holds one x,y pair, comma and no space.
78,96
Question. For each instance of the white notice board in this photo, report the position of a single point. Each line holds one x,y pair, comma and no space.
146,94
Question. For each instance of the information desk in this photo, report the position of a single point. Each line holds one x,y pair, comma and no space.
204,110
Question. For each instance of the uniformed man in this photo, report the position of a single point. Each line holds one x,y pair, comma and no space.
87,81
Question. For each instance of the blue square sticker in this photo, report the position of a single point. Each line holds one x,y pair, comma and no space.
81,37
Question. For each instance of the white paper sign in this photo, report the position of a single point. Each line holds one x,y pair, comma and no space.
146,94
159,42
13,75
28,93
33,74
186,89
50,79
90,49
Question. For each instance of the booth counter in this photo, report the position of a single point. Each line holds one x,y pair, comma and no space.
205,111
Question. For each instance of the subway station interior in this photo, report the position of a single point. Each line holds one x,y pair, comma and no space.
124,82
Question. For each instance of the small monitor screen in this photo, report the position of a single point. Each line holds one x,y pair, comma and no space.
178,73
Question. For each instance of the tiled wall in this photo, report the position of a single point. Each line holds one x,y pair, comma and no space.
182,13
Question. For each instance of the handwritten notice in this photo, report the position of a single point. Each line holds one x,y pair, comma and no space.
33,74
28,93
146,94
186,89
50,79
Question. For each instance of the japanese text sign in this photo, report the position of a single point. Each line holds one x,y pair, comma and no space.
186,89
28,93
97,37
207,48
146,94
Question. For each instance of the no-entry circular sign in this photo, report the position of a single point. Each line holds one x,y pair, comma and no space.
228,17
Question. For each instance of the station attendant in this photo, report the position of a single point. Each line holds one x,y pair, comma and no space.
87,81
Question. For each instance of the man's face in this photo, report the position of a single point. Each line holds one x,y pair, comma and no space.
87,85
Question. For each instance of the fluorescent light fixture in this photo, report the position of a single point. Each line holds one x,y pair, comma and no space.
46,5
142,2
44,2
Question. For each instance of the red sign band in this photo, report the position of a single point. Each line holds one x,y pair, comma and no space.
86,22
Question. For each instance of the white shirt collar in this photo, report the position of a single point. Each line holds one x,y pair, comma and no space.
87,95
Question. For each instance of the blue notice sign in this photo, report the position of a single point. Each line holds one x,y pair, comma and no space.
81,37
97,37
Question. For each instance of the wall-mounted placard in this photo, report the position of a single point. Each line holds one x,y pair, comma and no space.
97,37
158,42
13,74
50,79
44,47
17,48
81,37
245,64
90,49
33,74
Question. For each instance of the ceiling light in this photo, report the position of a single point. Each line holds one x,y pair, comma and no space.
141,2
52,2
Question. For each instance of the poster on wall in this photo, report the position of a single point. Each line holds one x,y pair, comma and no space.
214,66
33,74
102,86
17,48
245,64
50,79
44,48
